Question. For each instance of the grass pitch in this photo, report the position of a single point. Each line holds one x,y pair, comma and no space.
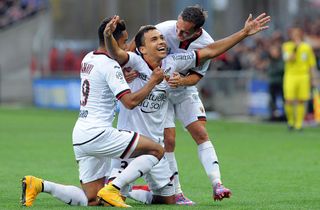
264,165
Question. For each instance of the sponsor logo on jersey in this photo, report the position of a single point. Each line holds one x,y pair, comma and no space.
154,101
184,57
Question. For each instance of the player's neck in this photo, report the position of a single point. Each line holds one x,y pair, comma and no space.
102,50
152,62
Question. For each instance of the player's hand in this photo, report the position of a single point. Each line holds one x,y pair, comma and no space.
175,80
157,75
111,26
130,74
258,24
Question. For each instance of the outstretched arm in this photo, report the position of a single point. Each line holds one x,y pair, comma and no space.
111,44
251,27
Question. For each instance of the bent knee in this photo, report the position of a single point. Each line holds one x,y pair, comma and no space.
158,151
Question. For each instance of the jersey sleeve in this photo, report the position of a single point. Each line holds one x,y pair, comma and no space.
201,70
135,62
165,27
184,61
116,81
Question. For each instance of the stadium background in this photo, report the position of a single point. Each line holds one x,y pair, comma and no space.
50,42
266,166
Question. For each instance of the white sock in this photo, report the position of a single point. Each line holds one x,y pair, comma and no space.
142,196
174,168
209,160
135,169
68,194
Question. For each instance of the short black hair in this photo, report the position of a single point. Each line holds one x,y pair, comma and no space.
121,26
139,38
194,14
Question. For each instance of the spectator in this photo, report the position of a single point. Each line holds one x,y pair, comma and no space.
54,60
275,75
12,11
79,58
69,60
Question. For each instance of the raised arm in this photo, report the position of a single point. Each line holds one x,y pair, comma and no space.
251,27
131,46
111,44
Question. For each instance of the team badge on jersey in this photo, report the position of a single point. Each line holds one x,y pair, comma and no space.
119,75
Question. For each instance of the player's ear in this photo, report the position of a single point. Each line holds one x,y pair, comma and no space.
142,50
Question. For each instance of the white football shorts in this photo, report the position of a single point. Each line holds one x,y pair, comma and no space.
189,109
94,155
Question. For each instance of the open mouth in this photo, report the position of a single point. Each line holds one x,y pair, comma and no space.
162,49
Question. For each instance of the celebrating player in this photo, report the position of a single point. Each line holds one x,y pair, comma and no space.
149,117
95,141
153,49
184,103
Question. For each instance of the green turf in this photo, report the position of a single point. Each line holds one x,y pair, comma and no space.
266,166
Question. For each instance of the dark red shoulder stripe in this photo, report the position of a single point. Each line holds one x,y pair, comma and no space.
122,93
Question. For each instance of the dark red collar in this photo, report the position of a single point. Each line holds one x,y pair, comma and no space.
185,44
98,52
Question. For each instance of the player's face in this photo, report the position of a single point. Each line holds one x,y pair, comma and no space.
122,41
184,29
154,45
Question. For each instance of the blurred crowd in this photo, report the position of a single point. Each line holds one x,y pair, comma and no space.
11,11
256,53
259,53
66,61
263,55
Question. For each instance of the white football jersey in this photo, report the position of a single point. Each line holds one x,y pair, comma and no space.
102,83
168,29
148,117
